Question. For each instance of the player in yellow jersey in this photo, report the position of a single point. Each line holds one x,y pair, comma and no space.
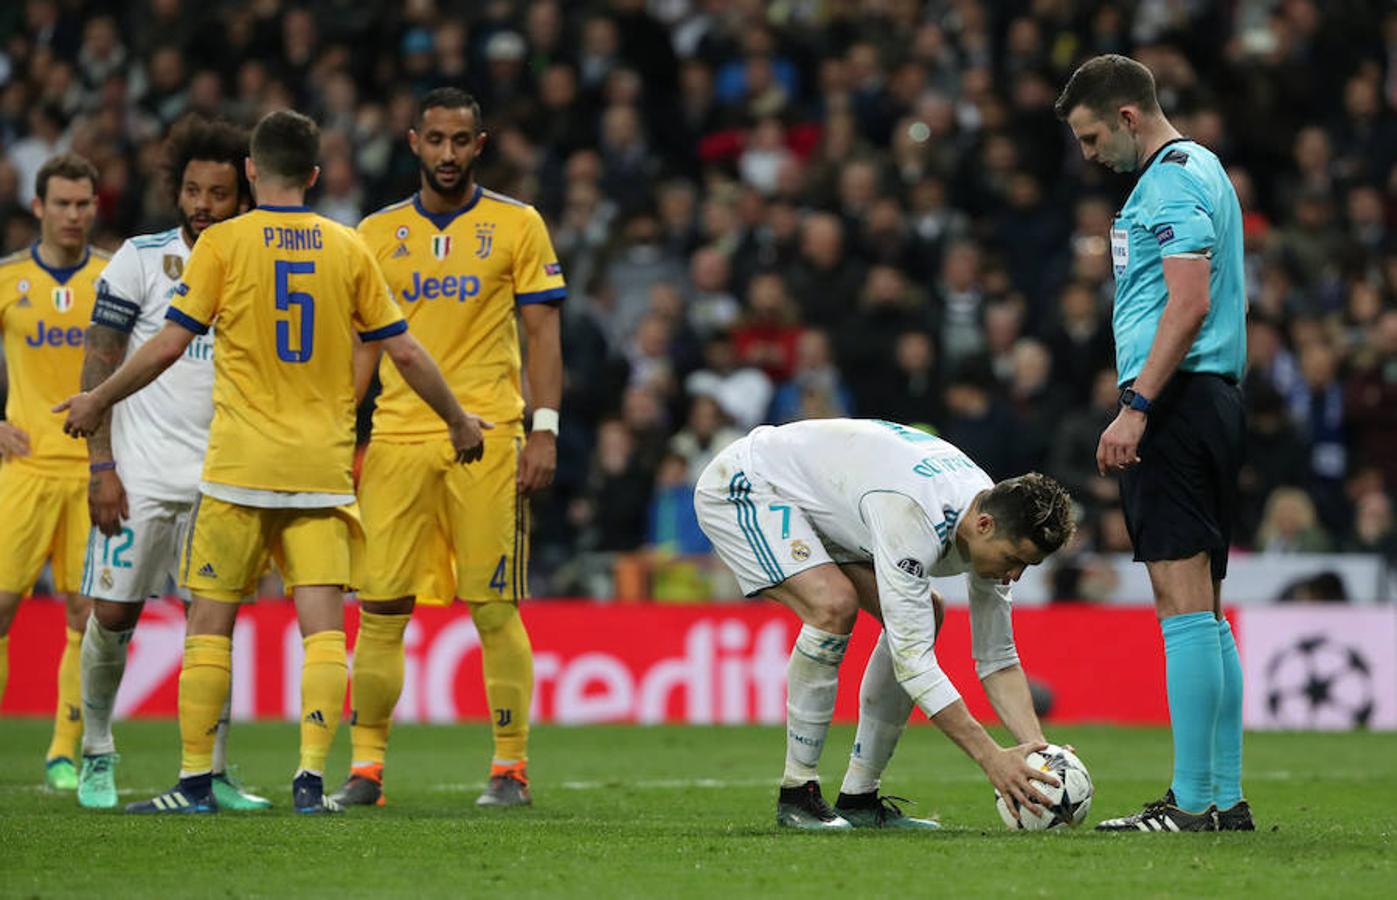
147,456
462,262
46,297
287,290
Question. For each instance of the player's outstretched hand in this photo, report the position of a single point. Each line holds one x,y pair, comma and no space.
13,441
468,437
84,414
1013,777
106,502
538,462
1117,449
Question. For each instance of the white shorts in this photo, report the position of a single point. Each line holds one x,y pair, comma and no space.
143,560
759,534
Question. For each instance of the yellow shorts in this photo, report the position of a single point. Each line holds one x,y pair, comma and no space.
437,529
41,518
229,545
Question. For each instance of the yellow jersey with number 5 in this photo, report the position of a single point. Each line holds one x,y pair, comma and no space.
44,314
458,278
287,289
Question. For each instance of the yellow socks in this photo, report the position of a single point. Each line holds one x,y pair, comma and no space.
323,684
508,661
67,719
204,682
376,684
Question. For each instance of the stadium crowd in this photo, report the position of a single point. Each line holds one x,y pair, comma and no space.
771,211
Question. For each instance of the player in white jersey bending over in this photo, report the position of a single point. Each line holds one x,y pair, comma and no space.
147,457
830,516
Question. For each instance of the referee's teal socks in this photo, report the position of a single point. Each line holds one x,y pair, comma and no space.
1194,674
1227,744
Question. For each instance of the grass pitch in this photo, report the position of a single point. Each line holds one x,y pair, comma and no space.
688,812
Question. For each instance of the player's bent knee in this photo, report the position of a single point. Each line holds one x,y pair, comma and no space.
1182,586
494,615
835,618
209,616
319,607
77,609
823,597
115,616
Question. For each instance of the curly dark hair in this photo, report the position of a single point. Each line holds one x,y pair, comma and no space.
197,138
1032,506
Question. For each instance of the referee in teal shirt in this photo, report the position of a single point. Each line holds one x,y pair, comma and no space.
1179,323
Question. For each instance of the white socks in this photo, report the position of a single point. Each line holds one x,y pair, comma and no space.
103,664
812,683
220,738
103,660
883,710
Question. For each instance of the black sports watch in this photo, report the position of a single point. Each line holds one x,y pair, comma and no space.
1136,401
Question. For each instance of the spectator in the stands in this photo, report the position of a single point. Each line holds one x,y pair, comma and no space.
1276,456
1290,524
705,432
768,333
825,279
977,421
1373,528
611,512
1072,456
815,389
1370,400
742,392
1080,341
712,307
1318,412
672,524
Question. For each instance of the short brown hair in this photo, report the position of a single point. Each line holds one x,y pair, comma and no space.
1031,506
286,146
65,165
1103,84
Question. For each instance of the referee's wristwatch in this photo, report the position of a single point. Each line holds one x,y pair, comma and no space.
1131,399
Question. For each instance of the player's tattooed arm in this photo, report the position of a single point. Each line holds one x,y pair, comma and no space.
103,351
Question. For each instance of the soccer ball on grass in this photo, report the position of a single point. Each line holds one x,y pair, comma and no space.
1068,803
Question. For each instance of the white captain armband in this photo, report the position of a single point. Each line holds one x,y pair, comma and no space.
1206,254
112,311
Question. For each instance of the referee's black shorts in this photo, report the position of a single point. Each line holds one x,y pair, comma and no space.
1179,500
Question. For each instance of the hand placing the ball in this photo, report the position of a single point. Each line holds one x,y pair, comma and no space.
1013,777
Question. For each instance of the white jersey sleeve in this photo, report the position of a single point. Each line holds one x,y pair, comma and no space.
160,433
991,625
120,290
905,548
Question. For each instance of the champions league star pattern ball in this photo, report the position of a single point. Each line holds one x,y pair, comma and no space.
1068,803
